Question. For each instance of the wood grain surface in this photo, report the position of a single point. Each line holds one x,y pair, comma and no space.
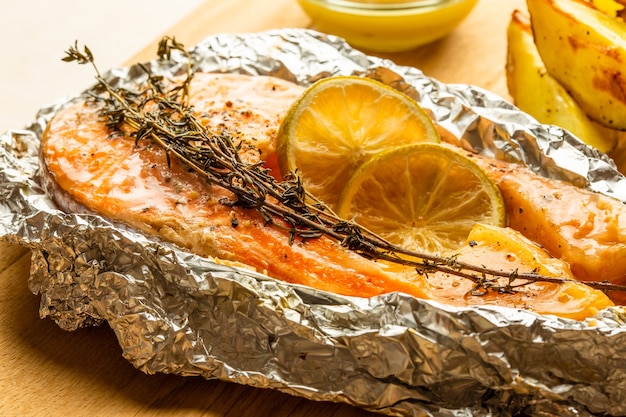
47,371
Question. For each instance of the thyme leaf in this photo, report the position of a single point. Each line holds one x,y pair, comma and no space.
163,116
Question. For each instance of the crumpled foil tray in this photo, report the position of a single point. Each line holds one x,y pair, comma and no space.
174,312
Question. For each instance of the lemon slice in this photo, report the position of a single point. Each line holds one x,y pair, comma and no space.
338,123
423,197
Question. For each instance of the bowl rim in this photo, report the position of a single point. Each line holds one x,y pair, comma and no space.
373,5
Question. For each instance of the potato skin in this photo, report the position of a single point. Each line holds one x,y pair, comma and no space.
585,50
537,93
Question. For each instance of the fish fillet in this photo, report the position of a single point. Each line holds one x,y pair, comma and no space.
88,169
585,229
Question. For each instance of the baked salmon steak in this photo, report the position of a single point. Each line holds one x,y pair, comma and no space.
89,168
585,229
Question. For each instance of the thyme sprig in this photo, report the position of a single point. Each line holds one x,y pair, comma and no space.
161,113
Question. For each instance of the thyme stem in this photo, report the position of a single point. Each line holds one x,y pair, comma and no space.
166,118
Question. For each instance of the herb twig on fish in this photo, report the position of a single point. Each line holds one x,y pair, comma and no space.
161,113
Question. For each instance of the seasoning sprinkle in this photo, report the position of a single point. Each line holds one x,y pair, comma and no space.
163,116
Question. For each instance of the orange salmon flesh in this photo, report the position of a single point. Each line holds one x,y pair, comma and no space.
133,184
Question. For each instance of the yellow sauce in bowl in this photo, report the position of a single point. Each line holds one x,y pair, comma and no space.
387,25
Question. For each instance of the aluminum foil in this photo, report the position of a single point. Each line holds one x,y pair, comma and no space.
174,312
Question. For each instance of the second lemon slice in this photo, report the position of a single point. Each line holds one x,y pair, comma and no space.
340,122
423,197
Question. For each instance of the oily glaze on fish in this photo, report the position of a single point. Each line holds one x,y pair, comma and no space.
505,249
585,229
134,185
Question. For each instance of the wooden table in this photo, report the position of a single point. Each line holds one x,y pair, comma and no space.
47,371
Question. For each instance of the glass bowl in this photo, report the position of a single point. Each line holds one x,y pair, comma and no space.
387,25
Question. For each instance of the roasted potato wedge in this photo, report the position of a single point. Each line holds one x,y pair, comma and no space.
537,93
611,8
585,50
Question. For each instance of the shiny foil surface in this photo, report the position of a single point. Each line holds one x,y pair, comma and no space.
175,312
